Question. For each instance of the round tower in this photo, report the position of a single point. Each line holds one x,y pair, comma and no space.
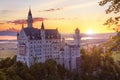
77,37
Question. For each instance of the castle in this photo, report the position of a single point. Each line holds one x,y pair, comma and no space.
38,45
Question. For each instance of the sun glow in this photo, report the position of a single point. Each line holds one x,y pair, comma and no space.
90,32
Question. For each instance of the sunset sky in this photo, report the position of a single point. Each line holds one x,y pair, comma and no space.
66,15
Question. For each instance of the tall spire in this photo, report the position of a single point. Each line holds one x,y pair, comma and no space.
29,11
29,20
42,26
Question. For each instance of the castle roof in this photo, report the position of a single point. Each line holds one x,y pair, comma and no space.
32,33
35,34
52,33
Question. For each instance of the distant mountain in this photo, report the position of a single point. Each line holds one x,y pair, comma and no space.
9,32
100,35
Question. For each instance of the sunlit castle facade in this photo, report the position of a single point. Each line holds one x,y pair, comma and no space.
38,45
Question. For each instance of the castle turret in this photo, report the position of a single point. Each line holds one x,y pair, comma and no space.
30,20
42,31
77,37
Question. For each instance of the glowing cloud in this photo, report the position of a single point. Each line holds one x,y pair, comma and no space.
52,10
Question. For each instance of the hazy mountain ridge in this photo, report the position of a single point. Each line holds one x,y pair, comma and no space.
98,35
9,32
13,32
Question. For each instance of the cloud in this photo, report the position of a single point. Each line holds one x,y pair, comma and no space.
71,7
51,10
5,11
36,19
24,21
1,23
40,19
57,18
21,21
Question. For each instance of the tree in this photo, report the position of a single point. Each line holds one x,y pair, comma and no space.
114,6
2,76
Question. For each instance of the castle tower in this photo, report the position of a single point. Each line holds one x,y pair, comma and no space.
42,31
77,37
43,41
30,19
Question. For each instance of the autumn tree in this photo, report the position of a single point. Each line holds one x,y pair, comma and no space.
113,7
2,76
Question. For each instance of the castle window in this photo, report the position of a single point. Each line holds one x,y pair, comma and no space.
55,48
48,37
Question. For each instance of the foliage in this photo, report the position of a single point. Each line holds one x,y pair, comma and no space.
12,70
93,67
98,67
114,6
2,76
